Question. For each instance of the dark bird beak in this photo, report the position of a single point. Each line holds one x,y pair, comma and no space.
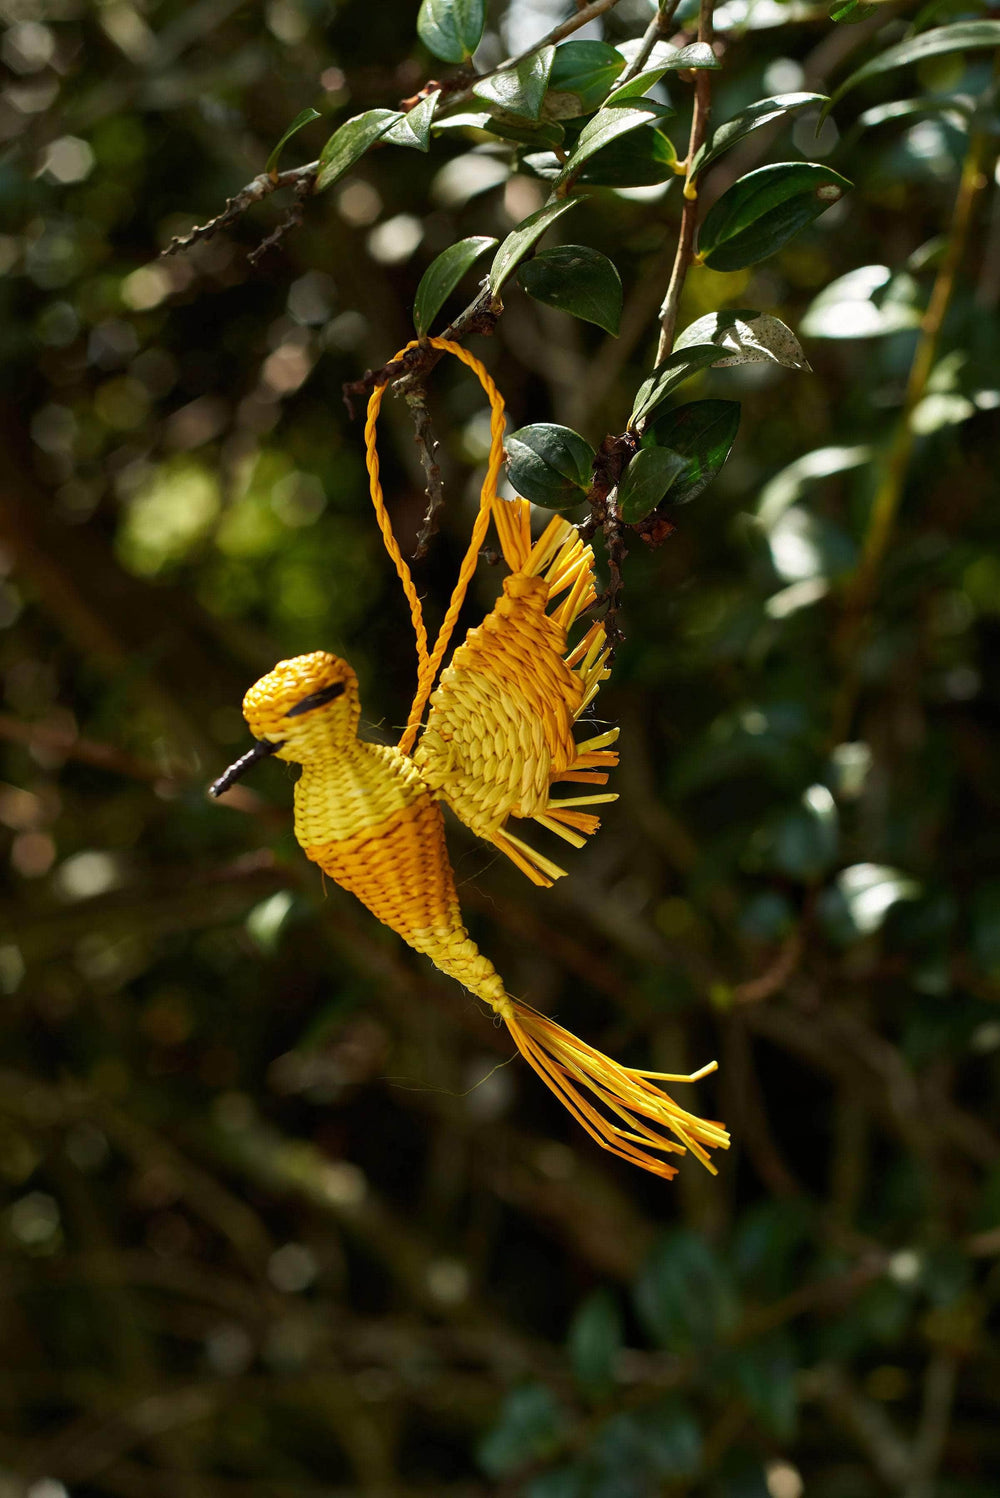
260,750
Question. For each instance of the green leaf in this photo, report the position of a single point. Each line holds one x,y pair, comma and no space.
803,840
581,78
847,12
305,118
646,481
550,465
451,29
861,898
868,302
752,118
673,371
577,280
507,127
527,1430
761,212
962,36
766,1371
697,55
596,1336
520,240
607,125
348,144
519,90
641,159
683,1293
703,433
442,276
745,337
414,129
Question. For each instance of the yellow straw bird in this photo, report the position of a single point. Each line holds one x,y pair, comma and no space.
499,735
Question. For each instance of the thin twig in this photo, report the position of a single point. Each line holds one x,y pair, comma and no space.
255,192
655,32
689,217
427,445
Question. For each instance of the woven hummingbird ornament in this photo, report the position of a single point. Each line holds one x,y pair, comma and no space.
497,743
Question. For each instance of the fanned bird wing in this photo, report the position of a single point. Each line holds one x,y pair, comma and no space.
500,729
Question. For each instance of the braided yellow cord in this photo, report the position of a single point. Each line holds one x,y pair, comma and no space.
429,665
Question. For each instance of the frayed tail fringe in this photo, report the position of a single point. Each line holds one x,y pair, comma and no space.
571,1068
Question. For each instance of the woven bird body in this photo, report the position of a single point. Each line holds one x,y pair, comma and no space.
499,737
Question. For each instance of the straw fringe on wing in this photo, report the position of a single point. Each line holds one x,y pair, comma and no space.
500,731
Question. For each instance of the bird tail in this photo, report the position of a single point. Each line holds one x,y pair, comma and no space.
623,1109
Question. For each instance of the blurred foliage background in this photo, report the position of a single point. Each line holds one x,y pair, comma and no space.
275,1224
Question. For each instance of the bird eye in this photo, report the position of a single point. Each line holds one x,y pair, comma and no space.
316,699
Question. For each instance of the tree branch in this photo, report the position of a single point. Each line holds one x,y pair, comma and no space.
689,218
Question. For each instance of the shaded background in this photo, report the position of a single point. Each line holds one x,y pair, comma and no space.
265,1234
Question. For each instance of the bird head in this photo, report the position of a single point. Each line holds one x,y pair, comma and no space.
300,711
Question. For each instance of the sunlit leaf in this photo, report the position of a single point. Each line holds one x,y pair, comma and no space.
848,12
861,898
550,464
671,372
788,485
866,303
702,433
761,212
451,29
581,78
749,119
300,121
646,481
414,129
442,276
520,240
578,280
519,90
746,337
963,36
348,144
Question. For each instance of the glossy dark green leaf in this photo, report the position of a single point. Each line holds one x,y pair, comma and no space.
683,1294
761,212
577,280
646,481
963,36
671,372
305,118
596,1337
451,29
348,144
703,433
550,465
581,78
414,129
641,159
751,118
519,90
847,12
697,55
442,276
520,240
610,122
